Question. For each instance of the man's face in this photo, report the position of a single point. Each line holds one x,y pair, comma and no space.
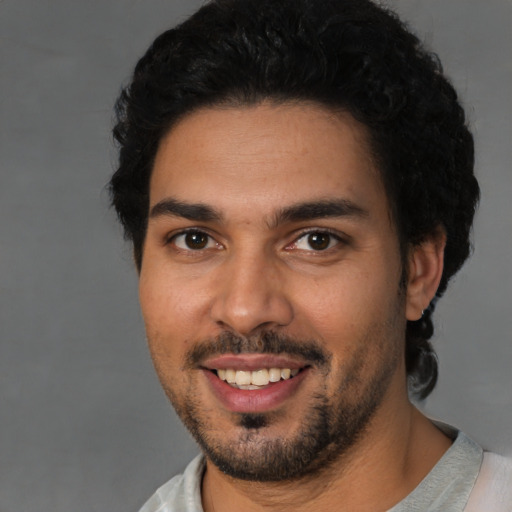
271,261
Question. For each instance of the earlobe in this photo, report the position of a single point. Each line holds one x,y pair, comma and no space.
425,271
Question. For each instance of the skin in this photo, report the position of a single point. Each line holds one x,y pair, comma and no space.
257,274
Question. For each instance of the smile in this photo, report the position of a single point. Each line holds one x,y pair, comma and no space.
254,383
257,379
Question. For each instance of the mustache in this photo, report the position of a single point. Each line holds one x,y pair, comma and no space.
268,342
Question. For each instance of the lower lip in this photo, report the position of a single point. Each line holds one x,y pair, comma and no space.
254,400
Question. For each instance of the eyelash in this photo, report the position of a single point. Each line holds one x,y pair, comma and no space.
190,231
338,238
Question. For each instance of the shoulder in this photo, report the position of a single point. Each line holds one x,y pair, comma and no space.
492,491
181,493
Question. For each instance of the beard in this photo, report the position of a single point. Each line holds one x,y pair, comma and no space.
332,422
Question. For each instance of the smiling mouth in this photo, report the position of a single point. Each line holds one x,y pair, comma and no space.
257,379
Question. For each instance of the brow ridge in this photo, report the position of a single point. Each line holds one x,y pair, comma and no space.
311,210
304,211
198,212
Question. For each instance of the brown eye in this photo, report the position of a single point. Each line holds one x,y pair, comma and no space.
319,241
196,240
316,241
193,240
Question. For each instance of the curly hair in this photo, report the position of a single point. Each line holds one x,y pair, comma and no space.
342,54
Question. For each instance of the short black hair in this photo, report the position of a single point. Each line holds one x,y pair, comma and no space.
349,55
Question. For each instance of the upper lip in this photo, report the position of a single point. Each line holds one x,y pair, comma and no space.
252,362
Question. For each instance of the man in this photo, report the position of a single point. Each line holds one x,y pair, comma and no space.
297,181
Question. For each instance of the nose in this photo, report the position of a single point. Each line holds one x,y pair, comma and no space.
250,295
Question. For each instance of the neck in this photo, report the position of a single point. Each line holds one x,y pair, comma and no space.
396,452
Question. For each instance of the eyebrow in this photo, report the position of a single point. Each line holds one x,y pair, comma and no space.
318,210
192,211
299,212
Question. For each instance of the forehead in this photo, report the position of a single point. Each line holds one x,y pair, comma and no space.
266,156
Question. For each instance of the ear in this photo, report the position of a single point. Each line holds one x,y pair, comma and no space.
425,271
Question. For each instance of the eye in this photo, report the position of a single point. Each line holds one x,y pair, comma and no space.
316,241
193,241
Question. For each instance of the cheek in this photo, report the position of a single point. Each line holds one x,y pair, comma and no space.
356,318
344,300
167,304
174,314
159,311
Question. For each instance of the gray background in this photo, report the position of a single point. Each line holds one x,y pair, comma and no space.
84,424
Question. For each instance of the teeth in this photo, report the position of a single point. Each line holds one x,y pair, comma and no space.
254,380
243,378
274,375
260,377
